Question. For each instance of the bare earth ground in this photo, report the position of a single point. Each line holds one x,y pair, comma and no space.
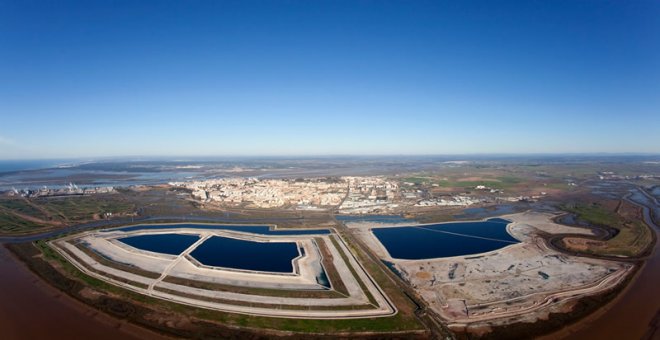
524,281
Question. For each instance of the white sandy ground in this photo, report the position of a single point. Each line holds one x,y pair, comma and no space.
108,246
506,283
307,267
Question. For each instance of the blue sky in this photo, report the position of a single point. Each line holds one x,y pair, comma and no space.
124,78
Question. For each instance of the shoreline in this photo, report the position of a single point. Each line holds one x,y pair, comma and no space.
69,305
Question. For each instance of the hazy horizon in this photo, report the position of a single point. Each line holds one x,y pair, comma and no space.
211,158
260,79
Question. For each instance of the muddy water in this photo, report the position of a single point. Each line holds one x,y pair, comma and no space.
629,316
30,309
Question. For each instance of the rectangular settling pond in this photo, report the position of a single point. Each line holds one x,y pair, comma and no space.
233,253
254,229
172,244
445,239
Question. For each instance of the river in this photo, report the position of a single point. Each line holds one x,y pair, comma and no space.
31,309
629,316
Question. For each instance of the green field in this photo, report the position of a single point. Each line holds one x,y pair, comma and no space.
21,216
12,224
633,236
454,181
21,206
81,208
16,217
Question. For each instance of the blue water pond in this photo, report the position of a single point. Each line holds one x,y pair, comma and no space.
228,252
445,239
173,244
